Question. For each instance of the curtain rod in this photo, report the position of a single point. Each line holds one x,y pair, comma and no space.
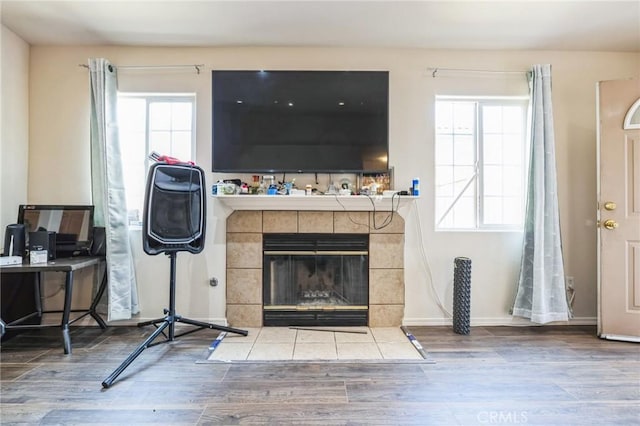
144,67
435,71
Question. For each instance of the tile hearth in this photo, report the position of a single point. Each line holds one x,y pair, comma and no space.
290,343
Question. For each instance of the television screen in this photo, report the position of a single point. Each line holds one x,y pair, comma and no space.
300,121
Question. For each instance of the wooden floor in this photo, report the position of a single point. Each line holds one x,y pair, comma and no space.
496,375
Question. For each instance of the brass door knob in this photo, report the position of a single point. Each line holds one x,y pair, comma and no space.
610,205
610,224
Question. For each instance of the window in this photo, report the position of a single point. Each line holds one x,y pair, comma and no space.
479,162
150,122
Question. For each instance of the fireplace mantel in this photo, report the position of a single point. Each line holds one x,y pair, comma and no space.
314,202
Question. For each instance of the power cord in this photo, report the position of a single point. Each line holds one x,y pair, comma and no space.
386,222
425,259
427,266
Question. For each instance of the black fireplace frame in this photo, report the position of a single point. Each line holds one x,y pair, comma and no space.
310,316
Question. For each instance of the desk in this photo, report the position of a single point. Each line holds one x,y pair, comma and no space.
68,266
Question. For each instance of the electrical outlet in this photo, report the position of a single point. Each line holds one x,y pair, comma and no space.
571,292
569,282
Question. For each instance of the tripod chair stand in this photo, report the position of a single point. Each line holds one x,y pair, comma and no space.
173,221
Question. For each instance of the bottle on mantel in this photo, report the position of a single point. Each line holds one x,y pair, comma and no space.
415,187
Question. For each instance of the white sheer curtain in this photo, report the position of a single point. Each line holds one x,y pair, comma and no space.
107,189
541,294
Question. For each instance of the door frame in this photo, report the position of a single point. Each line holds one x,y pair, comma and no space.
608,336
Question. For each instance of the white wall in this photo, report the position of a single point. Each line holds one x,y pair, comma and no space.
59,126
14,142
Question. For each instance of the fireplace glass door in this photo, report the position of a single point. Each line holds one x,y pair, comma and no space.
312,280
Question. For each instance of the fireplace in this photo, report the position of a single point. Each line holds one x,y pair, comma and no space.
315,279
247,230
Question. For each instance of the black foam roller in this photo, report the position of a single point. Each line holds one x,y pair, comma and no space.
462,295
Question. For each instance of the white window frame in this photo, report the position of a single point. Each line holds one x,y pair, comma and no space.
150,98
478,177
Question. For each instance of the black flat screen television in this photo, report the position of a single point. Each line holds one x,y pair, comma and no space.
300,121
73,225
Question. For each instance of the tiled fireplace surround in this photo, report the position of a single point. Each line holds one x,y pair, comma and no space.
245,229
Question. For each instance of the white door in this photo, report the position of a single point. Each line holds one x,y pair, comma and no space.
619,210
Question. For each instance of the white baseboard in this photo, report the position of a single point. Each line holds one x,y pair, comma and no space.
417,322
621,338
497,321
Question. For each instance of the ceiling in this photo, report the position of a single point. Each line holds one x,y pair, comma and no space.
537,25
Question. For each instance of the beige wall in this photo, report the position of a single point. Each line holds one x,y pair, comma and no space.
14,145
59,127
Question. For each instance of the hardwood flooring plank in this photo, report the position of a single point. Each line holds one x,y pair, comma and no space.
548,354
13,371
537,331
156,416
544,414
514,372
23,414
13,354
465,356
205,392
631,370
96,372
57,392
328,414
323,371
589,390
455,390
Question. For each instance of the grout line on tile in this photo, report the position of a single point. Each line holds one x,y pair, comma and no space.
300,338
